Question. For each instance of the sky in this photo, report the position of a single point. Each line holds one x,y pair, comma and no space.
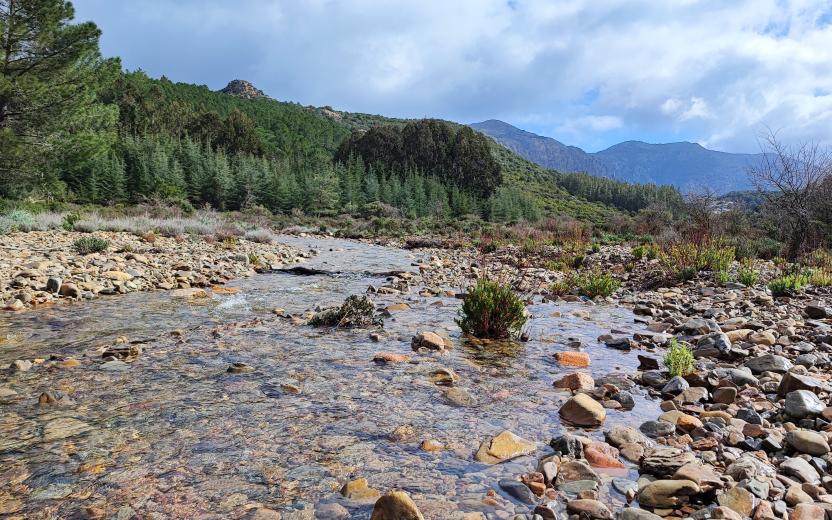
589,73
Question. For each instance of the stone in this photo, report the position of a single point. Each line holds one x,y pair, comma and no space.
632,452
568,446
656,429
800,469
663,461
666,493
712,345
503,447
795,495
702,474
427,341
808,512
359,490
768,363
620,435
396,505
576,381
573,470
573,359
583,410
390,357
817,311
762,337
518,491
331,511
63,428
676,385
739,499
792,381
69,290
239,368
602,455
725,395
20,365
806,441
634,513
53,285
803,403
725,513
589,508
460,397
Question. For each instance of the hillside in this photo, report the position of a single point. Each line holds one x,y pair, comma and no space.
687,166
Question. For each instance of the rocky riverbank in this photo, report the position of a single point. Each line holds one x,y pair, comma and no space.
42,267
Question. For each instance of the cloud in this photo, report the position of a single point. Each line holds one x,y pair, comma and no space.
701,70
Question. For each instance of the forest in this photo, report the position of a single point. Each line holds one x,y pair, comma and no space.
75,127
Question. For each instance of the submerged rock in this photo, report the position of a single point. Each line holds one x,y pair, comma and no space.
582,410
396,505
503,447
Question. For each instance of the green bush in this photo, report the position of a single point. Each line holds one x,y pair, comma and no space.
679,359
788,284
492,310
89,245
723,277
820,278
747,275
356,311
69,221
716,258
560,288
597,284
686,273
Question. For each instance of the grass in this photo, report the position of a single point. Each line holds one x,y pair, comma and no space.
90,244
679,359
747,275
597,284
492,310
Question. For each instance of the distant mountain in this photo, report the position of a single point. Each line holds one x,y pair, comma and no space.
687,166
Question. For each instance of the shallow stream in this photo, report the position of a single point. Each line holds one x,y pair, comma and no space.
172,434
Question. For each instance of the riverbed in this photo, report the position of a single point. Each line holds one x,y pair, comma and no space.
170,433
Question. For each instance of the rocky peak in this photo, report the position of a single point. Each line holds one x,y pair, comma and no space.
243,89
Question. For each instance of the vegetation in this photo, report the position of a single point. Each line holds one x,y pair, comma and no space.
492,310
679,359
355,312
597,284
89,245
788,284
746,274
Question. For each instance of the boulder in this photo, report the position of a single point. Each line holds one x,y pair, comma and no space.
791,382
427,341
769,363
575,470
803,403
666,493
799,469
738,499
396,506
582,410
806,441
576,381
503,447
573,359
589,509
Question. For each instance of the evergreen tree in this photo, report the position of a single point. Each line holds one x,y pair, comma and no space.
50,74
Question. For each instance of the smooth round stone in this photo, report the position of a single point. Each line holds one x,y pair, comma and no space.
577,486
622,485
654,429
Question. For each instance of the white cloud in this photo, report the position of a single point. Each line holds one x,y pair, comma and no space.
706,70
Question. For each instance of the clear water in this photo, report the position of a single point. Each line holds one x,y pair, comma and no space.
176,436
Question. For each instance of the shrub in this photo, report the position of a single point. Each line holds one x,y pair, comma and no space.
259,235
69,220
253,259
723,277
686,273
679,359
597,284
356,311
492,310
89,245
639,252
560,288
596,247
746,274
556,265
820,278
788,284
716,258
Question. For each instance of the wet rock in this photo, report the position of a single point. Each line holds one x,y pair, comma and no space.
702,474
573,359
620,435
574,470
444,376
428,341
806,441
517,490
503,447
53,285
666,493
576,381
20,365
768,363
634,513
656,429
602,455
803,403
396,505
390,357
582,410
239,368
588,509
69,290
457,396
578,486
568,445
359,490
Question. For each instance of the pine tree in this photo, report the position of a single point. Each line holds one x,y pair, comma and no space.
50,73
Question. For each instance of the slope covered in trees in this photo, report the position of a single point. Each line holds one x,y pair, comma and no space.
74,127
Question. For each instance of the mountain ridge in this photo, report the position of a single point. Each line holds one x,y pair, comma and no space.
685,165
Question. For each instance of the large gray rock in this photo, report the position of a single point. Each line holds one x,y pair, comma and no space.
769,363
800,469
792,382
712,345
803,403
666,493
664,461
806,441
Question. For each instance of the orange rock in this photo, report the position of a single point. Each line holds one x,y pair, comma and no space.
602,455
69,363
573,359
576,381
390,357
219,289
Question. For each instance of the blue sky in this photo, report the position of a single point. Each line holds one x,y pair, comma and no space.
587,72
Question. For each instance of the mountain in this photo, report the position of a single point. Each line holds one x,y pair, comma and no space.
687,166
